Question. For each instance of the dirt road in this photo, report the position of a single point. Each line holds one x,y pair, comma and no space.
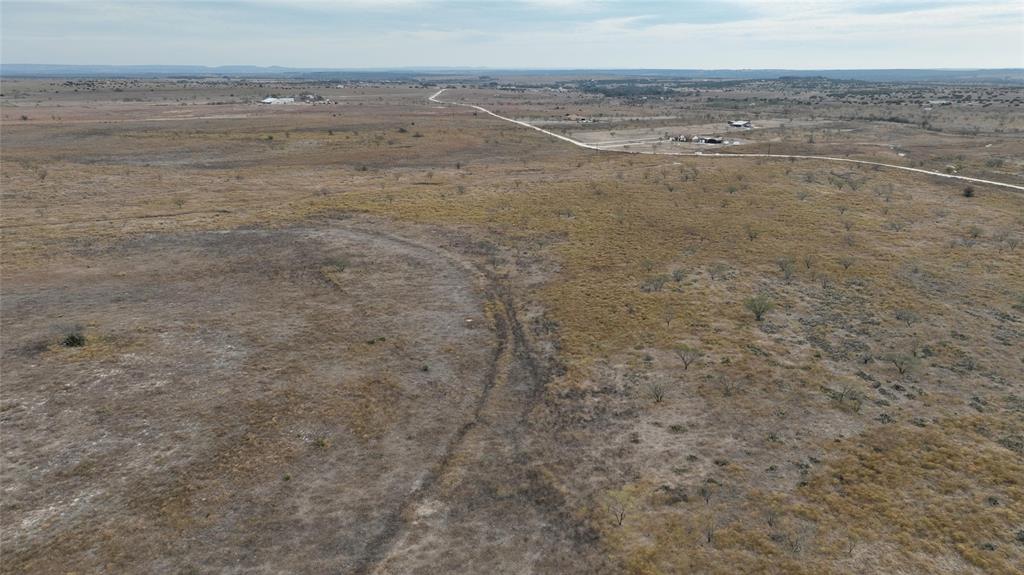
433,98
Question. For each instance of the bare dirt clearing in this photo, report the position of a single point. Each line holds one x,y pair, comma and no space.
233,383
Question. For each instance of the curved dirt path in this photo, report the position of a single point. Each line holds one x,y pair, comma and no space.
483,508
721,155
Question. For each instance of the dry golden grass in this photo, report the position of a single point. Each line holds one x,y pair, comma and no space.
791,446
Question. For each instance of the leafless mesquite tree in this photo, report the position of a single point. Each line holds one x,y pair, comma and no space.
656,390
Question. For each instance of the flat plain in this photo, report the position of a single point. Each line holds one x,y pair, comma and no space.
373,333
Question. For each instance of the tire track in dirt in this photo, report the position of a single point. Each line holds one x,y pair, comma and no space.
511,349
380,545
498,430
116,219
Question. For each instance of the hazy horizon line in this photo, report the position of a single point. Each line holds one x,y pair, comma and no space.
546,68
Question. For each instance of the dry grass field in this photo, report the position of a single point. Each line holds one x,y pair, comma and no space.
384,335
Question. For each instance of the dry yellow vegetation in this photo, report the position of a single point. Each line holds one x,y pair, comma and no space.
871,422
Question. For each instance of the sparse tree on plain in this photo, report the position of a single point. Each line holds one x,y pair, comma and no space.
617,505
688,354
904,362
668,313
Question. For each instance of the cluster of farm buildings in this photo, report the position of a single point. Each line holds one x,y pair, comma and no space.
712,139
304,98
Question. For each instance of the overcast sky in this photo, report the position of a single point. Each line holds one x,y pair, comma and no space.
519,33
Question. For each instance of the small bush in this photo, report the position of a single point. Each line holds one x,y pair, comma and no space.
656,391
969,192
759,305
653,284
786,267
718,271
1019,306
906,316
73,338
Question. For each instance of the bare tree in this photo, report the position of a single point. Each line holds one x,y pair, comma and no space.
656,390
709,530
668,313
617,505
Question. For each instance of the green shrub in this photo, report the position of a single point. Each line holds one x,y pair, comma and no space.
73,338
759,305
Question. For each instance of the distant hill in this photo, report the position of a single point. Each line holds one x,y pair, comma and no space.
1000,75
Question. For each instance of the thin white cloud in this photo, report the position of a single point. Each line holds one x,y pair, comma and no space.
523,33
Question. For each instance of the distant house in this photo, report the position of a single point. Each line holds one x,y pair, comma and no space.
707,140
740,124
272,100
579,119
